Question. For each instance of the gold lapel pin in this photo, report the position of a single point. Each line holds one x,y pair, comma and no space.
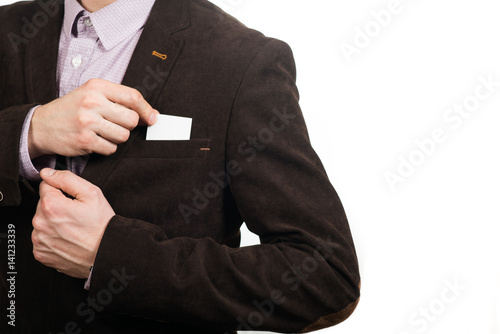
159,55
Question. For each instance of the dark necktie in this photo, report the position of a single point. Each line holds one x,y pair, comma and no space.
61,162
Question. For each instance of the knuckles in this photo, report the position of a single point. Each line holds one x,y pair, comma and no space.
92,85
35,239
39,255
95,192
37,223
135,97
89,102
48,207
85,119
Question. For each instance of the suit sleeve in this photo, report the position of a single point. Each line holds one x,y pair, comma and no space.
302,277
11,124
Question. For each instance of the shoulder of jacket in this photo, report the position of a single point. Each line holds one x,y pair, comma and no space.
212,26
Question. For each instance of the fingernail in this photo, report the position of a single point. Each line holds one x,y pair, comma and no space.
47,172
153,118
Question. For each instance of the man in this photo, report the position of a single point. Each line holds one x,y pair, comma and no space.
142,236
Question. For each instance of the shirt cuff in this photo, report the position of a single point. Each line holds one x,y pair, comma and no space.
30,169
87,282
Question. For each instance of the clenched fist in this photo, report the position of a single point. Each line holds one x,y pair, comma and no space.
67,232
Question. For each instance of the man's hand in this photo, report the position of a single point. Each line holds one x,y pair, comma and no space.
67,232
93,118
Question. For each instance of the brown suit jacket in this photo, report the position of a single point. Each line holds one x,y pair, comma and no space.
169,261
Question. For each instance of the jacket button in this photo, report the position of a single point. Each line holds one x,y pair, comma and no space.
1,196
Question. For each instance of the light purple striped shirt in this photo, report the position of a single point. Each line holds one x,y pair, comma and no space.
92,45
97,45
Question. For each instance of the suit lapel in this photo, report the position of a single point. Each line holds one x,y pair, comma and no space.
41,59
148,71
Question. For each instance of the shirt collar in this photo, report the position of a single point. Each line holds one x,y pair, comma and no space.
113,23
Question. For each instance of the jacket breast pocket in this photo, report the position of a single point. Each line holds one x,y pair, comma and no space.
153,178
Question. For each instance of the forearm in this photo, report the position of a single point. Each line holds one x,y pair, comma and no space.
291,283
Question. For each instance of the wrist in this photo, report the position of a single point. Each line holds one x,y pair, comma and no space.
35,148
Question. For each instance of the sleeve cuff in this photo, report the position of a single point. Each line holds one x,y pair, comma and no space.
87,282
30,169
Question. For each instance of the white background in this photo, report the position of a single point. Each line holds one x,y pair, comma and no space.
441,224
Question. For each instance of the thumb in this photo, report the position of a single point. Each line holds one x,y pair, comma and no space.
68,182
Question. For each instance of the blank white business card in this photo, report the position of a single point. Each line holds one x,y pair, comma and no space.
170,128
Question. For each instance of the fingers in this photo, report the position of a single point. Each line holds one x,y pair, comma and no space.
126,96
113,132
68,182
103,146
120,115
46,189
114,126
